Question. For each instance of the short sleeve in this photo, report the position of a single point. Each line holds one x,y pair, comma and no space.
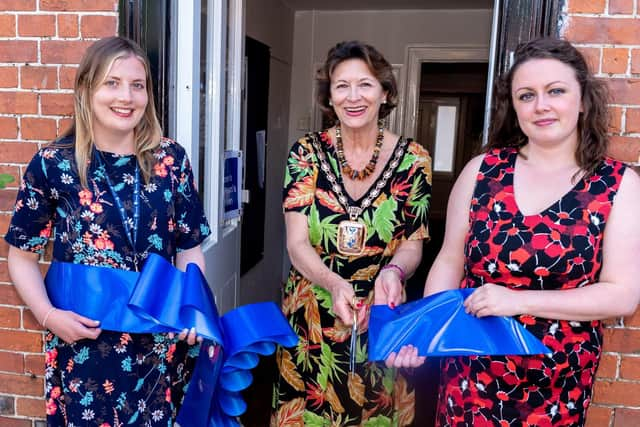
192,225
32,219
415,213
300,177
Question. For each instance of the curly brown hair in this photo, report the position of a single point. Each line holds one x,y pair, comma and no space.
378,65
592,123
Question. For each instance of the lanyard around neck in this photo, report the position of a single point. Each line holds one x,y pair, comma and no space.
131,233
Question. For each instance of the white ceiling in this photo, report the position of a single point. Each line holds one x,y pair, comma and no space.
387,4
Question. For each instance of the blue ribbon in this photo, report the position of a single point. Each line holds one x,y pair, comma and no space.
439,326
162,298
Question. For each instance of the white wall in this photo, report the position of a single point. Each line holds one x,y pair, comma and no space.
389,31
271,23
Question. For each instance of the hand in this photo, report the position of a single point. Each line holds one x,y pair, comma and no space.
187,334
343,299
407,357
72,327
493,300
388,288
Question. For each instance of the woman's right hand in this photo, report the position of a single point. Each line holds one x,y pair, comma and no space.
72,327
407,357
343,298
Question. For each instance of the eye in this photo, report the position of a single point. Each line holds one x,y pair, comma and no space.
111,83
341,86
557,91
366,84
138,85
526,97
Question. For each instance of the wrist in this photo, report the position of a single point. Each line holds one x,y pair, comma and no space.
395,267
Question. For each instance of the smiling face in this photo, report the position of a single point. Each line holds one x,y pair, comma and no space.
547,100
356,94
119,102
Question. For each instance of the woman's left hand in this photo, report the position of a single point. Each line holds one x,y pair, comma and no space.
189,335
388,288
493,300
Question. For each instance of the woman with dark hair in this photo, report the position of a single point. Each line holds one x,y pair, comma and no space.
115,191
533,245
356,200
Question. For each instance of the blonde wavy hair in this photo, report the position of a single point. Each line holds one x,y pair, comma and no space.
93,69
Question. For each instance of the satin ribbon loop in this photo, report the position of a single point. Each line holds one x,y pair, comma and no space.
162,298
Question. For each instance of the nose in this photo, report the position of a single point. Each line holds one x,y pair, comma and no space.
354,93
541,102
124,93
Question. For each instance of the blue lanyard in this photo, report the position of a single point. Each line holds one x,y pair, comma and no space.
132,234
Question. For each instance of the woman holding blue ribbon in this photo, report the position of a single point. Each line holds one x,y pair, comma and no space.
115,191
356,201
545,228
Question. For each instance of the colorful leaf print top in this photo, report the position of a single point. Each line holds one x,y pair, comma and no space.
118,379
558,248
315,386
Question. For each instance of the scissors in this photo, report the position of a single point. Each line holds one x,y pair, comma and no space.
354,338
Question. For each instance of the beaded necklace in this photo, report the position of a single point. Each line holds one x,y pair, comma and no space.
370,167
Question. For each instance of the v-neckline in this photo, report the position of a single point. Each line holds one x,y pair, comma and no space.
374,182
512,162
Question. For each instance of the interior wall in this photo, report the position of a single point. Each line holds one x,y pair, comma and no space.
272,23
389,31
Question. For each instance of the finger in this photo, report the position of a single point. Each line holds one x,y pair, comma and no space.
171,335
191,339
390,360
394,297
90,323
183,334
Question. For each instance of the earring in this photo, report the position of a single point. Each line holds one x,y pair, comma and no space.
384,101
330,103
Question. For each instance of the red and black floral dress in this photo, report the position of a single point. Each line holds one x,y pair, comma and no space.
559,248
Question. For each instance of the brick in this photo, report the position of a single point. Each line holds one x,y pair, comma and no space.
30,342
38,128
633,121
8,128
98,26
79,5
630,368
29,407
14,422
7,405
37,77
67,77
9,317
8,76
617,393
23,385
598,416
64,125
622,341
23,5
11,362
635,61
5,218
36,25
625,149
624,91
9,295
615,119
592,56
14,171
17,152
34,364
625,417
68,25
18,103
608,366
615,60
7,25
63,52
5,199
59,104
582,29
620,7
586,6
29,321
4,247
18,51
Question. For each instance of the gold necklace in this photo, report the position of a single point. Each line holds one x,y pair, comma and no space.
347,170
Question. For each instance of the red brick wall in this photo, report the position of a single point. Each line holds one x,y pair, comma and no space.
608,31
41,42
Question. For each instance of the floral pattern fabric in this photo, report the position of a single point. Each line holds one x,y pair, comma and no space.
316,387
559,248
120,378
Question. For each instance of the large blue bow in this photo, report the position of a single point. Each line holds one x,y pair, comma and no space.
439,326
164,299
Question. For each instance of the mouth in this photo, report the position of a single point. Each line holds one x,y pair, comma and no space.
122,112
355,111
544,122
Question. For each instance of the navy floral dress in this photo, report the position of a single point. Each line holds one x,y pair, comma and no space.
120,378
